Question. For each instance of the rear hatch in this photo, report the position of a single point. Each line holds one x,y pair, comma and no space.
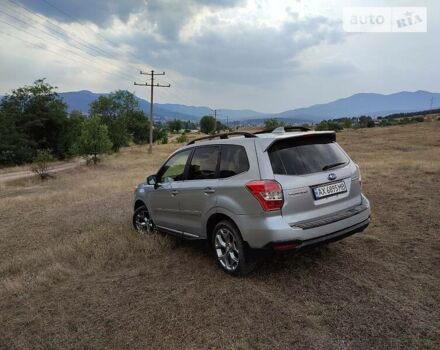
317,176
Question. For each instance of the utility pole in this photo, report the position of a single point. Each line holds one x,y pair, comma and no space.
215,119
152,74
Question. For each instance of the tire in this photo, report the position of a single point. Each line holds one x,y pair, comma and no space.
142,222
230,251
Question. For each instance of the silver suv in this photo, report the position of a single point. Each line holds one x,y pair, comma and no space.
280,190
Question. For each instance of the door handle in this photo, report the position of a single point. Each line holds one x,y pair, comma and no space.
209,190
174,192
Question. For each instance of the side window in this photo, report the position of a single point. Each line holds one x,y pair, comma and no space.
233,161
174,168
204,163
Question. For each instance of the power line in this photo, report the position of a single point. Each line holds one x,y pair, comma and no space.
62,48
45,40
91,49
47,49
88,27
54,52
28,22
152,74
53,28
61,30
105,39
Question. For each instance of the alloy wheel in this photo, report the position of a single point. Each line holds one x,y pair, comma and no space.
143,223
226,249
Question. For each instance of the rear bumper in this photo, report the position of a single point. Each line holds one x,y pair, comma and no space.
264,231
331,237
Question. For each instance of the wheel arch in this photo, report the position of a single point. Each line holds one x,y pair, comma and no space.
213,220
139,203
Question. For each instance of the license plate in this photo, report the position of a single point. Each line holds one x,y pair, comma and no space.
329,190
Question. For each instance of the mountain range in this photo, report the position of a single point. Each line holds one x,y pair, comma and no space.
371,104
80,100
367,104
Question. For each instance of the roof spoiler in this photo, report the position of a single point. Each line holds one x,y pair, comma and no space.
330,134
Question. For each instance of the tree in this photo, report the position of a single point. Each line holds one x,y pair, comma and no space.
270,124
221,126
188,125
73,129
160,134
116,111
347,123
207,124
328,125
366,122
323,125
94,139
15,147
138,126
175,125
33,117
124,101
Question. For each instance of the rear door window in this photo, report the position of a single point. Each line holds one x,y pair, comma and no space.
204,163
305,156
233,161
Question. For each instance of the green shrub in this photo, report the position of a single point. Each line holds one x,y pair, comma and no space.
182,138
41,162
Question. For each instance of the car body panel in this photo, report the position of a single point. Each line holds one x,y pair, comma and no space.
188,211
195,198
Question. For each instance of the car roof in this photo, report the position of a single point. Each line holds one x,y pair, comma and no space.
266,139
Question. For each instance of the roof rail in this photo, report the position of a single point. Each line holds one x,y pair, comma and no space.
281,129
223,136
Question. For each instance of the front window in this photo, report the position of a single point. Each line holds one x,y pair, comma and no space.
174,168
305,156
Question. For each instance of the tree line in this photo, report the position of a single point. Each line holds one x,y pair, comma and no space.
35,118
364,121
369,122
34,122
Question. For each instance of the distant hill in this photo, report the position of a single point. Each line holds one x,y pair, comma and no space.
81,100
200,111
365,104
359,104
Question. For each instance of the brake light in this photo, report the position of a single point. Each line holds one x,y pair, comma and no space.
268,192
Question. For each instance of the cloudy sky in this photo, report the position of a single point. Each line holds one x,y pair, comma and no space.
267,55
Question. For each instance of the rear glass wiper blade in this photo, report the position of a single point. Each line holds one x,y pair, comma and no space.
329,166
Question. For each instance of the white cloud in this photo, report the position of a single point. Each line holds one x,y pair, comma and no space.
257,54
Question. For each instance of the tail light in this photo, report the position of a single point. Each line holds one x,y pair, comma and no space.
359,175
268,192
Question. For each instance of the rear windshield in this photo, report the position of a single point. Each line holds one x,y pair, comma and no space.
305,156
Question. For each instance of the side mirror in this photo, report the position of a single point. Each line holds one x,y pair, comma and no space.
152,180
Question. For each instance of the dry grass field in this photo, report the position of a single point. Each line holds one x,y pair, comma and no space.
73,273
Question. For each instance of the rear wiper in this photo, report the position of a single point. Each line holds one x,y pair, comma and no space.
329,166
